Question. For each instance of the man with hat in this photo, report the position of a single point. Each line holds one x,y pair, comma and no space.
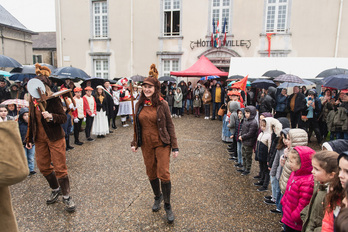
110,103
78,114
4,92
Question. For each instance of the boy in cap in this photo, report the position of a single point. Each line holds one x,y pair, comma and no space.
78,114
89,110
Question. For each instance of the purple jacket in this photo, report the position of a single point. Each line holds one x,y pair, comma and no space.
299,190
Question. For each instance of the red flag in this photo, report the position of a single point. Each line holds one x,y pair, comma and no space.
224,41
212,40
240,84
269,36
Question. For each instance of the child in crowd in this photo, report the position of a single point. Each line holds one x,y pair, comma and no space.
100,125
248,138
12,112
178,102
341,222
233,106
3,113
263,145
170,99
299,188
89,110
197,105
67,126
324,169
237,133
78,114
23,127
276,171
206,102
338,145
335,198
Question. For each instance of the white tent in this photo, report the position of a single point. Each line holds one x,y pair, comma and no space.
304,67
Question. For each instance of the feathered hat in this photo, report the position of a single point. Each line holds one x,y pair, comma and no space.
42,73
152,79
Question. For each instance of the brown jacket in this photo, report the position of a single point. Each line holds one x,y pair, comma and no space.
53,128
206,98
164,123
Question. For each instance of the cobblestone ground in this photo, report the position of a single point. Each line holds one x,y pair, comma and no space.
112,192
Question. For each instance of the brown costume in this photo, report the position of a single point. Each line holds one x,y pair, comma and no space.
155,134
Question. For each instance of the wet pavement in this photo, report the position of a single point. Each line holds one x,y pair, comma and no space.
112,192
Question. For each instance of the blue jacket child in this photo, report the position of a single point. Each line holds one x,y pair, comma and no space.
67,127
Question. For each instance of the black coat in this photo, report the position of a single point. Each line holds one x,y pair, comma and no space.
250,128
269,102
102,105
110,104
300,102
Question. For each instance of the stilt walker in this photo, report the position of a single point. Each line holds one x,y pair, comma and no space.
44,129
155,134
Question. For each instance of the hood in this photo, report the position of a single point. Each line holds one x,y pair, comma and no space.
272,92
267,114
23,111
14,84
285,131
268,125
242,110
219,84
338,145
285,122
306,160
234,106
298,137
178,88
252,112
313,91
276,124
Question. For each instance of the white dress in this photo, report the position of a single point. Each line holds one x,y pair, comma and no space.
100,124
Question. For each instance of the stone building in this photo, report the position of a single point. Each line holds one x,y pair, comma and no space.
16,39
45,48
122,38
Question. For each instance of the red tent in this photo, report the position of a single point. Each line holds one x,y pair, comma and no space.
203,67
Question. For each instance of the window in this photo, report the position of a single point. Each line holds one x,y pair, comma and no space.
101,68
171,17
276,15
169,66
220,13
100,19
37,59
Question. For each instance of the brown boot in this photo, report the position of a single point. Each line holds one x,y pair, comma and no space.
65,186
52,181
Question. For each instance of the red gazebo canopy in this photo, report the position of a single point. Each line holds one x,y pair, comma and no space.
203,67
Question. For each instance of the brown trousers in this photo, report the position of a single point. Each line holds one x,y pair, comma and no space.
48,152
157,162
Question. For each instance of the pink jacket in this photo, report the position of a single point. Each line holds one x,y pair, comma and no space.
299,190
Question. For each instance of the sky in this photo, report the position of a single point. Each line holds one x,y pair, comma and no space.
35,15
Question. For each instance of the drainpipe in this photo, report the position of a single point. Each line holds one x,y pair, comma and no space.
338,29
2,43
60,35
132,40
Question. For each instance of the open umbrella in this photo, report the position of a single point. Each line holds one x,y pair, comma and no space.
288,84
137,78
18,102
332,71
273,73
75,74
288,78
95,81
6,61
4,73
167,78
248,83
339,81
235,77
263,84
209,78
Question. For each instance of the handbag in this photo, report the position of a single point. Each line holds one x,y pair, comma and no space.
13,163
221,111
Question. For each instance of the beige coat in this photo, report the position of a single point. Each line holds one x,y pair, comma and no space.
13,169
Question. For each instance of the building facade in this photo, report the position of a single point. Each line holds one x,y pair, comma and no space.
45,48
122,38
16,39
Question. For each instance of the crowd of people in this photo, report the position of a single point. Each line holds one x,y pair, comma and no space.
308,188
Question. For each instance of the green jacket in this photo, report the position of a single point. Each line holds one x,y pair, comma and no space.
313,214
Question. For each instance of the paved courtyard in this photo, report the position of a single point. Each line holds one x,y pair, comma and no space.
112,192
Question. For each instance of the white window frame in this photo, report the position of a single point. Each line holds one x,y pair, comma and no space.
221,10
104,73
276,5
173,8
36,57
103,26
172,68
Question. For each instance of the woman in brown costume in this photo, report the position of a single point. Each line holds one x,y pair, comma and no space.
155,135
44,128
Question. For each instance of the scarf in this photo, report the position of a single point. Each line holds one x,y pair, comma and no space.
101,98
148,102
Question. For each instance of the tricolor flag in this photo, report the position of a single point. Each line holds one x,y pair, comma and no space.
224,32
217,35
212,35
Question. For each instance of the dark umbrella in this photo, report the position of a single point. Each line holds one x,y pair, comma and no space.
6,61
263,84
95,81
27,71
273,73
339,81
288,78
235,77
332,71
137,78
75,74
167,78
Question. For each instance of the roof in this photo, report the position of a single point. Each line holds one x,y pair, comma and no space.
10,21
44,40
203,67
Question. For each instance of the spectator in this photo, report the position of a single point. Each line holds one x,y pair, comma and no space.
4,92
217,94
296,104
282,102
189,98
269,101
178,102
184,90
206,98
170,99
